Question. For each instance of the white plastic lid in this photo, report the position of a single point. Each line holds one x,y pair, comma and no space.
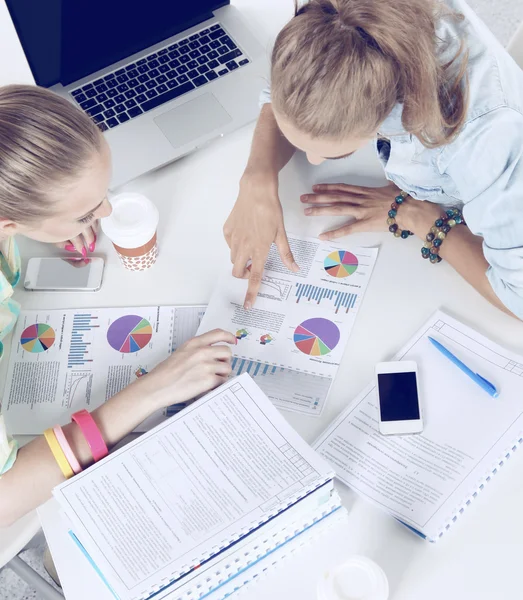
359,578
133,222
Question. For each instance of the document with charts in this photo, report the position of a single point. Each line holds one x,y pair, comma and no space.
64,360
292,341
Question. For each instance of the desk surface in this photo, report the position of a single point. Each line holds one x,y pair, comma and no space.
478,559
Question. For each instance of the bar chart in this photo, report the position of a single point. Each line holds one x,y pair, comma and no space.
287,389
317,294
80,347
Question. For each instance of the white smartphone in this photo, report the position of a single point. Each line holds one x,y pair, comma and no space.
398,398
64,274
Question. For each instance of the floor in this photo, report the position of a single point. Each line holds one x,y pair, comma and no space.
503,17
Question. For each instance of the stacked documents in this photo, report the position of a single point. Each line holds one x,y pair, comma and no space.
204,503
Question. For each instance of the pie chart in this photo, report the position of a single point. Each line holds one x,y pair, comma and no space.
37,338
316,337
129,334
340,263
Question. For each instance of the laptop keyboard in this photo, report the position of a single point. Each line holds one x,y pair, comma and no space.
160,77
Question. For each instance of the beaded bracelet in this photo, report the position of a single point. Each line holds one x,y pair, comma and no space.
391,221
438,233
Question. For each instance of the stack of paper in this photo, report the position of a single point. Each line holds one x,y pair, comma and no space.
203,503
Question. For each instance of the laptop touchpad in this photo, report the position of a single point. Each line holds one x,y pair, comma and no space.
193,119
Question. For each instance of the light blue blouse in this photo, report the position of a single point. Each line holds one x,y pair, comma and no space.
483,168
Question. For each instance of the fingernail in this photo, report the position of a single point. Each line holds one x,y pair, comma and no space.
84,252
247,305
295,267
92,246
308,211
70,248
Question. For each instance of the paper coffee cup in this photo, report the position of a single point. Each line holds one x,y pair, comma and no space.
131,227
359,578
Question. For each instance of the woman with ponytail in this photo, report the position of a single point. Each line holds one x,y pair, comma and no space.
443,101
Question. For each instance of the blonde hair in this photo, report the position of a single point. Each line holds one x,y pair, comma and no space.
45,142
340,66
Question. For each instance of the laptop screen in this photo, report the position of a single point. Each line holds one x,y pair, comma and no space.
65,40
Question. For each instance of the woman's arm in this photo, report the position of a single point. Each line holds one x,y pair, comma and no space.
461,249
195,368
256,221
369,206
270,150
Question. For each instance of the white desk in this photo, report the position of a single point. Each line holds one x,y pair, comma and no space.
480,557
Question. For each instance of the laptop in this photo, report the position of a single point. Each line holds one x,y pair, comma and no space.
160,78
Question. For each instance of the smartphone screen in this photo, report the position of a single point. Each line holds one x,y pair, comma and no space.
56,274
398,394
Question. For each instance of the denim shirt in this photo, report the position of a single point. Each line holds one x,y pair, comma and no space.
482,169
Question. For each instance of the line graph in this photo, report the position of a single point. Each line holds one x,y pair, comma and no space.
78,387
274,288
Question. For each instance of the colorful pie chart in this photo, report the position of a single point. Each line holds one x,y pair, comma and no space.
37,338
129,334
316,337
340,263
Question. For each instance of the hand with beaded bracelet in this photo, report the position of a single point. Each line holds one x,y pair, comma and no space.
367,208
391,221
438,233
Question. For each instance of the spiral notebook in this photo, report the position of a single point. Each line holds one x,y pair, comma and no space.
261,552
427,481
219,477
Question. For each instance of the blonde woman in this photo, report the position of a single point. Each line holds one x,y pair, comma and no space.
444,103
54,173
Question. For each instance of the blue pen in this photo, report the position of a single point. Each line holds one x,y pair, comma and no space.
483,383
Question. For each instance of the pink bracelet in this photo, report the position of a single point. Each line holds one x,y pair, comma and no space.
66,449
91,433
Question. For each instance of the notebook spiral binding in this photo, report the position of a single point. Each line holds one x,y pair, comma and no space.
499,463
259,552
196,562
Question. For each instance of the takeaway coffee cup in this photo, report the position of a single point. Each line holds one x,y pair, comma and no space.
359,578
131,227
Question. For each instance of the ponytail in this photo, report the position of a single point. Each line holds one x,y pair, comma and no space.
340,66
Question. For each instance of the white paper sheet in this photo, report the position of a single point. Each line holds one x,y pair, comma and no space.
427,480
155,509
64,360
292,341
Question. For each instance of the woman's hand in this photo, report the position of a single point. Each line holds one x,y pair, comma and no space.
367,206
83,243
196,367
256,221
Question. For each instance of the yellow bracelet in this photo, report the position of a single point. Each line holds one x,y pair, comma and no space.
58,453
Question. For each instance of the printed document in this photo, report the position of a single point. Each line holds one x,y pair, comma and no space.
292,341
154,510
64,360
427,480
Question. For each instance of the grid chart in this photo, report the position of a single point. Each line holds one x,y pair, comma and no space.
313,293
515,368
297,460
78,355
